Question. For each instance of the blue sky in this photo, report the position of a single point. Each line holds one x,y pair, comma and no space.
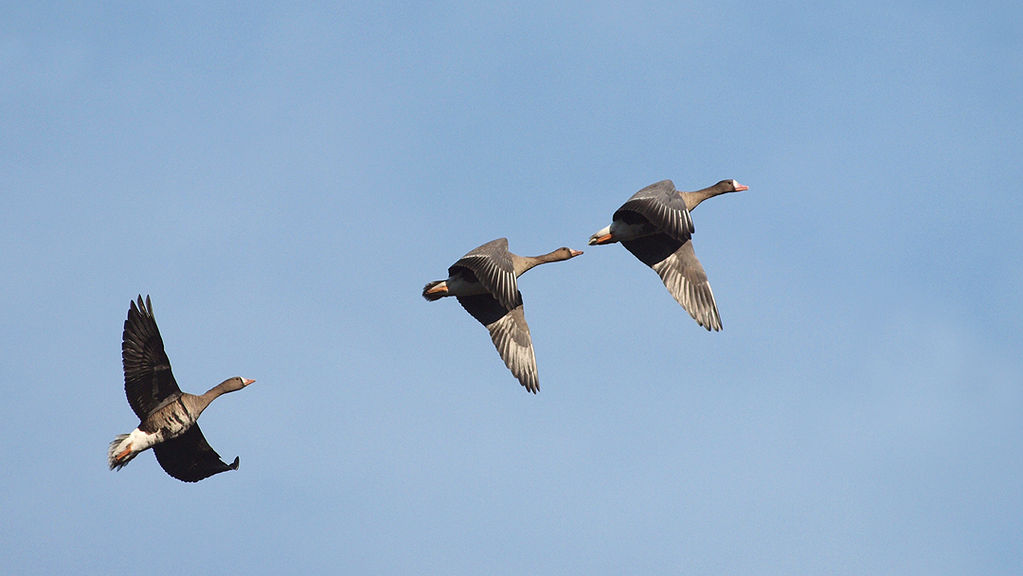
283,180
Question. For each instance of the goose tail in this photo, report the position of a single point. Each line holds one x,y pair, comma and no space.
120,452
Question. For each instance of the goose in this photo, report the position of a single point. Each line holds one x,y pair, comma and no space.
168,415
655,225
484,281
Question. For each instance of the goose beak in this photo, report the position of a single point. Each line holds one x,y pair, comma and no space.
601,237
740,187
574,253
246,381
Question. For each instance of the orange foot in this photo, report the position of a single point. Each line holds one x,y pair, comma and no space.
123,454
441,288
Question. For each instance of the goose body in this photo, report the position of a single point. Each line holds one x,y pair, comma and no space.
655,225
167,415
485,283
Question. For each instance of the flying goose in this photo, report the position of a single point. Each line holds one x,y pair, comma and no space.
484,283
168,415
656,227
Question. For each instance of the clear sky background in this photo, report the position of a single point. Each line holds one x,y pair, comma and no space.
284,180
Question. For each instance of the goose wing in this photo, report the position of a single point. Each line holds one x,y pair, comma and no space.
685,279
190,458
148,381
662,206
491,265
510,334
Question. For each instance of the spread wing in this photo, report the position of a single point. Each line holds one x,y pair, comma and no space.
662,206
491,265
684,278
148,380
510,334
190,458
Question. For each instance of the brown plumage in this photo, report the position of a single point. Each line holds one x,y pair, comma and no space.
168,415
484,281
655,225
